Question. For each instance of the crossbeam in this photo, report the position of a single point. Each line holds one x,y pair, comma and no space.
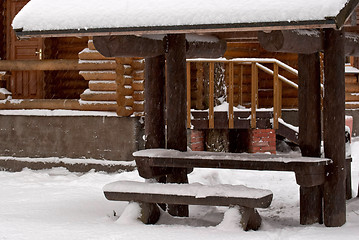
151,46
304,42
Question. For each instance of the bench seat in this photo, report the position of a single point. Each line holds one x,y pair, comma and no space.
148,194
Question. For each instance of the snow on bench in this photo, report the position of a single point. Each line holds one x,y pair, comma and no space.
154,162
148,194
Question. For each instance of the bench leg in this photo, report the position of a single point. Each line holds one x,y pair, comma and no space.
311,205
178,176
251,220
248,218
150,213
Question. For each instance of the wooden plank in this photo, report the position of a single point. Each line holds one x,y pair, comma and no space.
241,89
254,95
230,97
309,171
199,84
276,101
154,107
188,95
211,96
334,123
215,195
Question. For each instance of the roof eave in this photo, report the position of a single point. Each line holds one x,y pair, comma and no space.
199,29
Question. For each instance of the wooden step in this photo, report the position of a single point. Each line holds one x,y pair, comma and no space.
288,132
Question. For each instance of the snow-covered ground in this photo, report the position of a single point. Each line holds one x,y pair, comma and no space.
57,204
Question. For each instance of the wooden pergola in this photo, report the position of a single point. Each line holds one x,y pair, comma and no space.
167,44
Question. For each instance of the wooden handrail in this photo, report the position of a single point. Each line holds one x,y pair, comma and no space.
48,65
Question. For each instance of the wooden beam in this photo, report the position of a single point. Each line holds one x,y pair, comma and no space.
304,42
176,109
309,112
47,65
133,46
154,102
334,128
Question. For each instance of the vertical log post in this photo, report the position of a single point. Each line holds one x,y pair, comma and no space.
176,109
155,113
334,128
154,102
309,131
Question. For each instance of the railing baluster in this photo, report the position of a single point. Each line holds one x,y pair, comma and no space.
188,95
230,96
211,96
254,95
241,85
276,94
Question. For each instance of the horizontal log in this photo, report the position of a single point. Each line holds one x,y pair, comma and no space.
98,75
47,65
146,47
304,42
102,85
351,79
99,96
92,55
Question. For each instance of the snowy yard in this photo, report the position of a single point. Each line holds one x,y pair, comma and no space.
57,204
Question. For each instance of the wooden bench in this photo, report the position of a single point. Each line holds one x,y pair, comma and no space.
153,163
148,194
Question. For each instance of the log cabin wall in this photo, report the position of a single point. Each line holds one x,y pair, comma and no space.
118,86
63,84
2,30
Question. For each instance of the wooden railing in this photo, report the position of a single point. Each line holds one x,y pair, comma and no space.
256,65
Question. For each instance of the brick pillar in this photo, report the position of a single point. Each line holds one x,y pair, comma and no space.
262,140
197,140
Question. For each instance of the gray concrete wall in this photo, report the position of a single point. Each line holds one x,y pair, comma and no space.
98,137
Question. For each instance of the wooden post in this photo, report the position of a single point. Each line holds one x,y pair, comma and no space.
176,109
254,95
211,96
309,131
154,102
230,96
276,93
188,95
241,85
199,83
334,128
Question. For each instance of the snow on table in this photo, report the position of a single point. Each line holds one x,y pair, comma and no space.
39,15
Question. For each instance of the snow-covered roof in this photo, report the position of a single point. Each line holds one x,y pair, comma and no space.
67,17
